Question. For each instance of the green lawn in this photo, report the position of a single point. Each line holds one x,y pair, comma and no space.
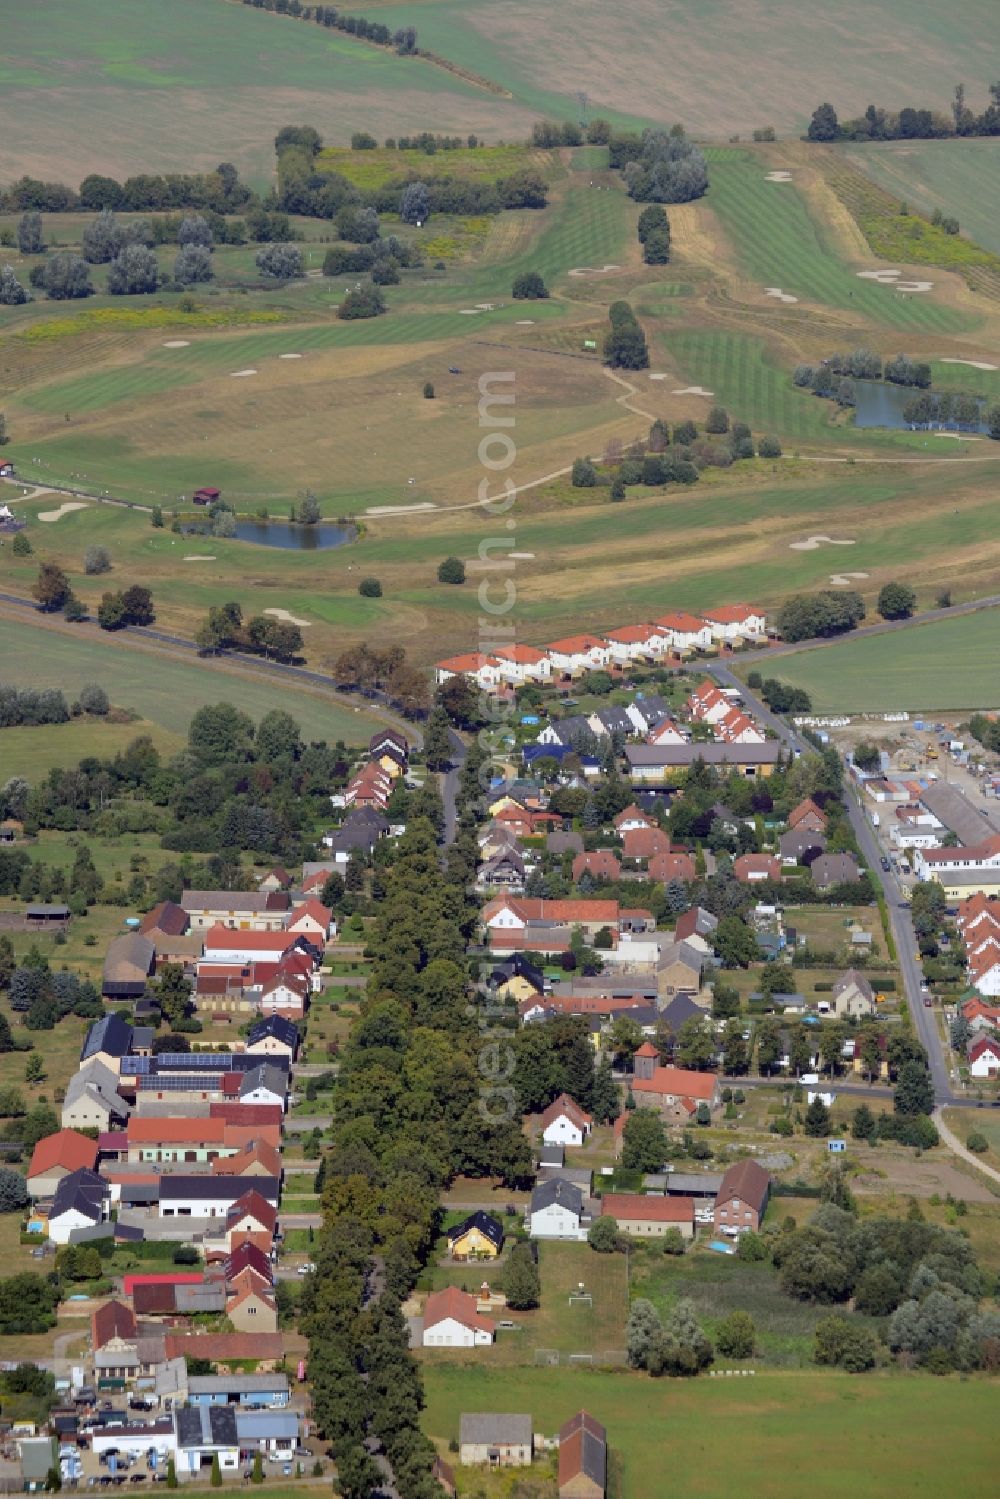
832,1436
165,691
949,665
780,244
33,752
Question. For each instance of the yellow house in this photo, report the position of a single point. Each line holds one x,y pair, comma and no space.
479,1237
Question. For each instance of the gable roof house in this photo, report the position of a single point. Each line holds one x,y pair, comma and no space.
557,1210
480,1236
707,703
631,818
600,863
679,969
564,1122
108,1039
644,1217
523,663
742,1200
835,869
852,995
686,632
797,842
695,922
675,1091
983,1056
649,710
733,622
604,722
809,816
452,1321
57,1156
81,1207
92,1099
499,1441
640,844
752,869
128,964
241,910
274,1036
578,653
583,1458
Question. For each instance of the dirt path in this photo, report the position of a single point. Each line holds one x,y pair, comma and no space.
955,1145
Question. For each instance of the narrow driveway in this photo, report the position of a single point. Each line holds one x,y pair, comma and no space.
449,786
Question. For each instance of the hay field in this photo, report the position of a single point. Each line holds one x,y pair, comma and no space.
667,60
949,665
960,177
168,85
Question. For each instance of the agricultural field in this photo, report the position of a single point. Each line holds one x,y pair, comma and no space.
950,665
791,1426
960,177
184,84
791,55
163,691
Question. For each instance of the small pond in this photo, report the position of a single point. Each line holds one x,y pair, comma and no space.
881,405
294,538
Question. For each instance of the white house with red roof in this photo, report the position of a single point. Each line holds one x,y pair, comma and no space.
736,727
513,913
685,632
632,817
452,1321
485,671
224,945
734,622
666,732
312,919
565,1123
983,1056
523,663
578,653
707,704
634,643
957,867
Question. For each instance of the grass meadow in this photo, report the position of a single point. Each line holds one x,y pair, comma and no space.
948,665
832,1435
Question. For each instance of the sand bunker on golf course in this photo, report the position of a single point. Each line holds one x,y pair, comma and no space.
64,509
593,270
694,390
468,312
891,278
657,375
177,343
241,374
974,364
778,294
813,544
288,619
778,177
525,322
844,580
199,557
289,356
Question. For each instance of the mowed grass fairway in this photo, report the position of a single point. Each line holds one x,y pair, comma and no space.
779,243
164,691
949,664
833,1436
179,85
961,177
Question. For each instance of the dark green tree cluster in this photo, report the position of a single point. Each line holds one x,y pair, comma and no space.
660,166
226,630
625,343
653,230
27,1304
674,1345
878,124
831,611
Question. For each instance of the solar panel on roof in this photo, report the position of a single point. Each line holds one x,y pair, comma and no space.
179,1082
